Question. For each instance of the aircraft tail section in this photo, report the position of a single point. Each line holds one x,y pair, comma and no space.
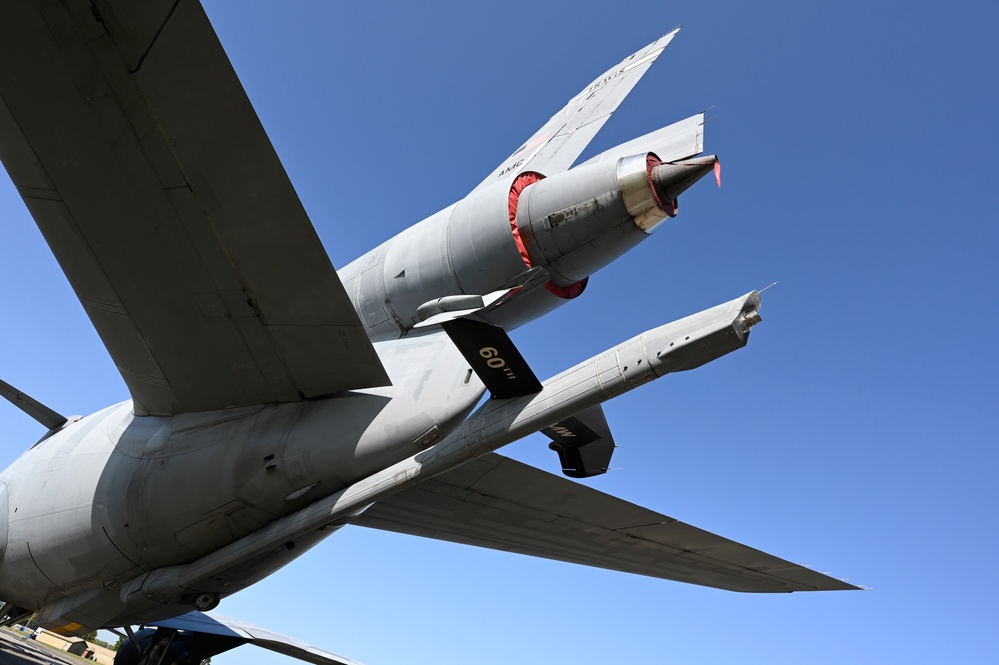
678,346
450,490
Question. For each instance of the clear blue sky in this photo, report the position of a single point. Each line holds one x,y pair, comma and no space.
855,433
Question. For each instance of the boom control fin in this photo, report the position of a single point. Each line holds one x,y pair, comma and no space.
493,357
583,442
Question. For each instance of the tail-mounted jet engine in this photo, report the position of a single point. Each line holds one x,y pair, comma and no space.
568,225
577,222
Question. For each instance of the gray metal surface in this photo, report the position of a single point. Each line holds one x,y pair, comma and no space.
554,147
502,504
263,419
678,346
216,624
168,209
128,495
469,249
677,141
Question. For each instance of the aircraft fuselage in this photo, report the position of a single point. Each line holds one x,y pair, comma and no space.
104,510
111,496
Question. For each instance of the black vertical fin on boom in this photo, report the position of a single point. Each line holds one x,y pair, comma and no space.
494,358
584,443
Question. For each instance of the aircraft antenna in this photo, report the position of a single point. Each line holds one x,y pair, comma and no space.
43,414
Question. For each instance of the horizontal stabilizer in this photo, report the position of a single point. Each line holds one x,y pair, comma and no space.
43,414
502,504
199,622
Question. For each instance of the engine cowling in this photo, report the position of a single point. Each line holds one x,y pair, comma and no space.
571,224
577,222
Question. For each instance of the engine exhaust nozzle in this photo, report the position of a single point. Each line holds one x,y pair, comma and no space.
673,178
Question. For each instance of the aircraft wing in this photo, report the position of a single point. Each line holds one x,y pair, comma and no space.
502,504
213,624
134,146
555,146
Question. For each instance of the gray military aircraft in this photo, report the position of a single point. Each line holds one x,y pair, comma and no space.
275,400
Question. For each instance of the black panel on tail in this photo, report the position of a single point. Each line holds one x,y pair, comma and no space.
494,358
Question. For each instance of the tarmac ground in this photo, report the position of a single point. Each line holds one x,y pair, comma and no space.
15,651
